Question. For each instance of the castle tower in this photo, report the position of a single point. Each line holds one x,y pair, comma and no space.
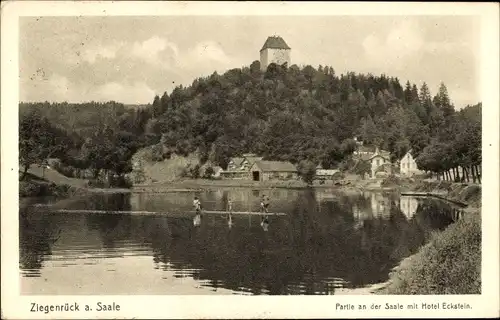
274,50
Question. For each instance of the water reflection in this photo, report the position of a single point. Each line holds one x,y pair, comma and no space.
265,223
197,220
325,242
408,206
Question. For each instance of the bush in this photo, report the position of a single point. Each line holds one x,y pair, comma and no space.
65,170
391,181
449,264
29,189
195,171
113,182
209,172
471,194
40,189
307,171
157,153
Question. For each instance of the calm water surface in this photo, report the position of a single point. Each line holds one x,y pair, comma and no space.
326,241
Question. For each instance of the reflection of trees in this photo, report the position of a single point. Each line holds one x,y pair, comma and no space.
37,234
298,254
111,227
98,201
433,215
304,252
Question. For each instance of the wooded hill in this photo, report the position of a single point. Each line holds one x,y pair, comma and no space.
286,113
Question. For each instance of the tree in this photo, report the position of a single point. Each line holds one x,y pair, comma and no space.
425,94
442,101
255,68
348,146
307,171
195,171
157,108
39,140
408,98
209,172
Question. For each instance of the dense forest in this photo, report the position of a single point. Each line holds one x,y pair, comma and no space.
100,137
302,115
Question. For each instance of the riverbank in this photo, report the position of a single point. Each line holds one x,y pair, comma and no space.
350,183
32,186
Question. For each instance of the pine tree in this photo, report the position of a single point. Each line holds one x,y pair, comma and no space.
157,107
407,93
443,101
425,94
414,94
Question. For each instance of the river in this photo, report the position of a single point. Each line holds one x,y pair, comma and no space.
326,241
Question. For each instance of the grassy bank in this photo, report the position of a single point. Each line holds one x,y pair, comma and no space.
33,187
196,184
449,264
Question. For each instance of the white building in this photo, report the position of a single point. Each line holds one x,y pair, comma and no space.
275,50
378,159
408,166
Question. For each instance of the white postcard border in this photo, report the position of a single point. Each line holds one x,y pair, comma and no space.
16,306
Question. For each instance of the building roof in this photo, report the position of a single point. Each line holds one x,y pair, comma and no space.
275,166
326,172
252,159
275,42
407,152
371,155
236,161
385,155
365,148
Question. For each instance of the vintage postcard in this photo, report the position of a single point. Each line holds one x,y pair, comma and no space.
249,160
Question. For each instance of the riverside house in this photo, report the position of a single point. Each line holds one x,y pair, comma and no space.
273,170
239,167
248,160
408,166
378,159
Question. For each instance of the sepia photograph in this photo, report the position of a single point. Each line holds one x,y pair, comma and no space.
250,155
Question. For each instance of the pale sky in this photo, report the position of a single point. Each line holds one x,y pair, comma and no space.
130,59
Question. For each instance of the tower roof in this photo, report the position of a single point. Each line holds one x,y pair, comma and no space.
275,42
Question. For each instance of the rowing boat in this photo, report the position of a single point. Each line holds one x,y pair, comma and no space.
160,213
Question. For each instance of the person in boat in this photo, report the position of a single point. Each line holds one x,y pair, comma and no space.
197,205
264,203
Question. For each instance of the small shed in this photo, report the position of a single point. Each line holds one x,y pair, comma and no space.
273,170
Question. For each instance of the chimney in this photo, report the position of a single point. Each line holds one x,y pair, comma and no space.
376,150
